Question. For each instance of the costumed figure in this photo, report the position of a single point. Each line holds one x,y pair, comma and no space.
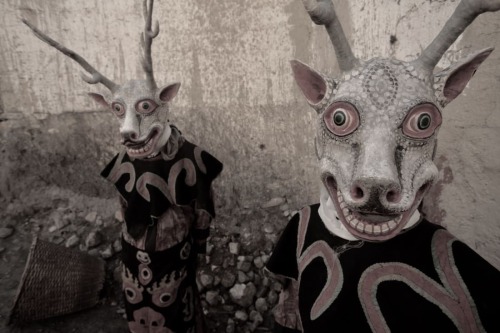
364,259
164,183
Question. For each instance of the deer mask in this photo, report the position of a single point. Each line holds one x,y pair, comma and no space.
140,106
378,122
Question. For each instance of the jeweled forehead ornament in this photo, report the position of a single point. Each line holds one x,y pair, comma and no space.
140,106
378,122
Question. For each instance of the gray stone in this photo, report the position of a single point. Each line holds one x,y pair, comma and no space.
268,228
258,262
242,277
212,297
206,280
277,287
94,238
119,216
243,294
234,248
94,252
256,318
72,241
241,315
58,221
210,248
6,232
107,252
261,305
230,328
244,266
91,217
117,245
272,297
284,207
274,202
228,279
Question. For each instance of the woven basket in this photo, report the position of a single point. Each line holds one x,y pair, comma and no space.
56,281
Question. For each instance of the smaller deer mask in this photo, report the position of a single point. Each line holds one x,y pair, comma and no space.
378,122
140,106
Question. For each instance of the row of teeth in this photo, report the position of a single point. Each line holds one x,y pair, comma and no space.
365,226
143,149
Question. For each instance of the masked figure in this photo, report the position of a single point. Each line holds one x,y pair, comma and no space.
164,183
364,259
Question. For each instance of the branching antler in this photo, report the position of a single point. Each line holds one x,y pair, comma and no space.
322,12
464,14
96,77
146,41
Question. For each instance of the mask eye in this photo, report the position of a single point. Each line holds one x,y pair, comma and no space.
341,118
145,106
118,109
422,121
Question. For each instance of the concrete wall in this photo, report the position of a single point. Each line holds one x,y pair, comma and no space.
237,98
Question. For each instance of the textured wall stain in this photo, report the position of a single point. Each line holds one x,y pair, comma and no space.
431,203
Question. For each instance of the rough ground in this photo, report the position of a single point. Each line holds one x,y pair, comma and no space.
236,295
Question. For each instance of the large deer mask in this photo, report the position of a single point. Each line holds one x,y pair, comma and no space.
140,106
378,122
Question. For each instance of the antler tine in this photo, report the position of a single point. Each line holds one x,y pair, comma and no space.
96,76
462,17
147,40
322,12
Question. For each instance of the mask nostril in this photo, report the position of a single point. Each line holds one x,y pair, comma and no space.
393,196
357,192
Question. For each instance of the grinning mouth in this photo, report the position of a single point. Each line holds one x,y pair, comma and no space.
142,148
371,226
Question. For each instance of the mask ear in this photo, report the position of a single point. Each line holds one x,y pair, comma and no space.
452,81
168,92
313,85
99,99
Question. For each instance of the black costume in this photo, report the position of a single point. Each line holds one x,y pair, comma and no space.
423,280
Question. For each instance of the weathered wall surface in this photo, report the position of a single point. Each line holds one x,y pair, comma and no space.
237,99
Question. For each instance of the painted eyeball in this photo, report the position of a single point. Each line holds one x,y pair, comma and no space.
118,109
341,118
422,121
165,298
146,106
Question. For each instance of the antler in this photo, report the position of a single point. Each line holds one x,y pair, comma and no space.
96,77
146,41
464,14
322,12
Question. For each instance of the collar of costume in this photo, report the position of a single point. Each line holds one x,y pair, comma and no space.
181,175
330,218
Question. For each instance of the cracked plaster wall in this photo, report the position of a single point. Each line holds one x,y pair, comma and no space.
237,98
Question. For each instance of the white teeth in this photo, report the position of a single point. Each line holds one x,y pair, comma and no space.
360,226
369,229
345,211
392,224
376,229
384,227
349,218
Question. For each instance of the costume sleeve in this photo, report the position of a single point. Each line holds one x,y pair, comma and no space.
483,283
283,261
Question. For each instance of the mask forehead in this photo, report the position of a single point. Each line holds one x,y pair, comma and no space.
384,89
133,91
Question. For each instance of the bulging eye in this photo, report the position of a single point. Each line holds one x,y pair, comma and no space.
118,109
422,121
341,118
146,106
